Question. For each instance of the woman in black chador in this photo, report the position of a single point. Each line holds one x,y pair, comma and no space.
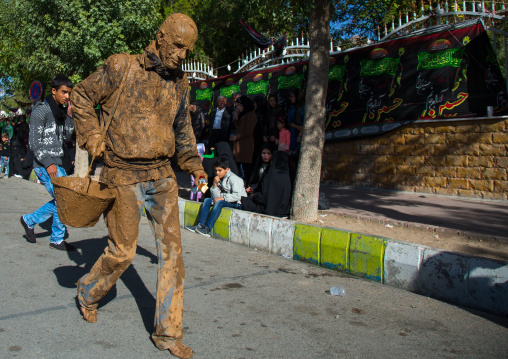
273,194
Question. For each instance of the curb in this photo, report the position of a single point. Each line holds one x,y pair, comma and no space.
428,227
462,279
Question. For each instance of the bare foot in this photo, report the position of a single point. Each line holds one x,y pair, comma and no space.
179,350
90,315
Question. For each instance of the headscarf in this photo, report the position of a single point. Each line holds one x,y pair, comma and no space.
273,195
254,178
247,104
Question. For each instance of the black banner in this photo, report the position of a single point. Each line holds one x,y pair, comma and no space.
374,89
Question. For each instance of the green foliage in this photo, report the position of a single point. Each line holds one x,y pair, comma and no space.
73,37
222,39
42,38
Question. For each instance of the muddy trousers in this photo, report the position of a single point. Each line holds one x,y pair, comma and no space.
160,198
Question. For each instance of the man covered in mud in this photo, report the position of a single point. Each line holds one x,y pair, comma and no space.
146,99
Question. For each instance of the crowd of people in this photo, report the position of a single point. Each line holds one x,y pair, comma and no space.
252,143
16,156
247,124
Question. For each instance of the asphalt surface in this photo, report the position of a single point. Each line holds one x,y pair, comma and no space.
239,303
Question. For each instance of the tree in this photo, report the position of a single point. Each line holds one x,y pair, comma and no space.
306,193
73,37
222,40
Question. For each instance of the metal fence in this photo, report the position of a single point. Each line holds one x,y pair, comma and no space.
422,17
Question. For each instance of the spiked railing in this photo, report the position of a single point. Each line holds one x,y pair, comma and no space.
423,16
428,14
198,71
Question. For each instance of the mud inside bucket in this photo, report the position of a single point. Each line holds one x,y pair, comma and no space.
81,201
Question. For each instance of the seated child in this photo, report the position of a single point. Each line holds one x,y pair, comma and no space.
227,191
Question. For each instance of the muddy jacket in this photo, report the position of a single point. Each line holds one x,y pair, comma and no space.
151,122
47,136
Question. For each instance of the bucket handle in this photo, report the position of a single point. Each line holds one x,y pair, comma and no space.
106,126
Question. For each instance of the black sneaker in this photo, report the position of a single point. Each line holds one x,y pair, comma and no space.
30,233
204,230
62,246
191,228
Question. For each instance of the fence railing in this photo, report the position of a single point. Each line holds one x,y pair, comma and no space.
427,14
198,71
422,16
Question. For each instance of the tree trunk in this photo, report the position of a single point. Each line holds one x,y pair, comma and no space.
306,193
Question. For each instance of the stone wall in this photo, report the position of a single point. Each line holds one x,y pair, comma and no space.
459,158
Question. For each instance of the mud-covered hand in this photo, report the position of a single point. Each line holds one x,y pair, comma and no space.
198,174
95,145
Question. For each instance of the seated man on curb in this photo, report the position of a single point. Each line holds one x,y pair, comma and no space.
227,191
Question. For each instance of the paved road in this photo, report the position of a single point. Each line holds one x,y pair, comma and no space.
239,303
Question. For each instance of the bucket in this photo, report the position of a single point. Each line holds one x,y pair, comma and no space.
81,201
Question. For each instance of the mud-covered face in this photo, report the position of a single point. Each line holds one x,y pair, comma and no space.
61,95
176,39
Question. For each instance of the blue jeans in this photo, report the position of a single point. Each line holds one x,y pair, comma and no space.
49,209
4,162
217,208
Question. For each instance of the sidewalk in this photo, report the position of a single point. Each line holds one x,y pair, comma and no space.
483,219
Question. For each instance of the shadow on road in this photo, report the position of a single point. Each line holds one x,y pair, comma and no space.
472,282
89,251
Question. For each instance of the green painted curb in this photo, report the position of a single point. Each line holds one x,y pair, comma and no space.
335,249
221,226
306,243
366,256
191,213
355,253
